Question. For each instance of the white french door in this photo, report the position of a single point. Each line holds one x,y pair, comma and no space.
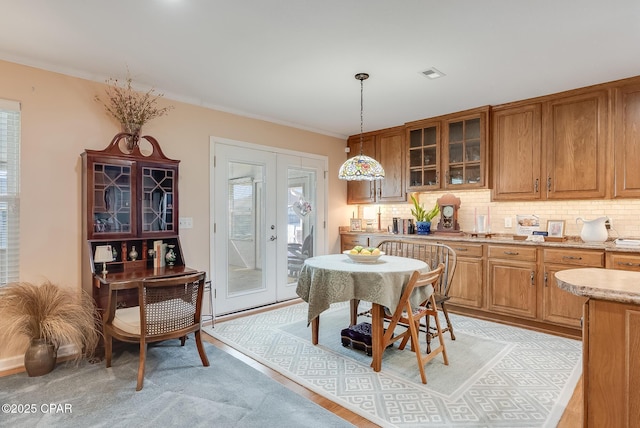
268,209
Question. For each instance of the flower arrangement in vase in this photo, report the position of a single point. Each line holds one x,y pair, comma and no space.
423,217
130,108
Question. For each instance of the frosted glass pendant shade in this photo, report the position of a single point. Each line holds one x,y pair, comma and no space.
361,167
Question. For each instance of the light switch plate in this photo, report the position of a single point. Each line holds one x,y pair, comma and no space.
186,222
507,223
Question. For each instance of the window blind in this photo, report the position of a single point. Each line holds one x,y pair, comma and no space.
9,191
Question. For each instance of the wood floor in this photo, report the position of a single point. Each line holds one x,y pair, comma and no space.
572,417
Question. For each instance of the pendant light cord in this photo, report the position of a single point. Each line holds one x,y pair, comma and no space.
361,77
361,114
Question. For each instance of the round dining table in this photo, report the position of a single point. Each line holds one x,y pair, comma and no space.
337,278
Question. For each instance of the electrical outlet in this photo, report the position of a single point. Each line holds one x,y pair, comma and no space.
607,224
186,222
507,223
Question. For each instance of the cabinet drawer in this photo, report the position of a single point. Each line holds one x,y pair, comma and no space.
512,252
624,262
574,257
350,241
465,250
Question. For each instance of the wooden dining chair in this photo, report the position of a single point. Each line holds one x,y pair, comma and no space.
432,254
409,315
169,308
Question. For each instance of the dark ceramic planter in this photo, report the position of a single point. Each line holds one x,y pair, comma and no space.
40,357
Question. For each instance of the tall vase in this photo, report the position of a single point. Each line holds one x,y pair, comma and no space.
133,129
40,357
423,227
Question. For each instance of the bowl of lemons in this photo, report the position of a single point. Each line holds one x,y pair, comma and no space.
361,254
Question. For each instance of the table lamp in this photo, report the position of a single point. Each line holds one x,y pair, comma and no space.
103,254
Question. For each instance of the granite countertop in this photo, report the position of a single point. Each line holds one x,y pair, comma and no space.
603,284
500,239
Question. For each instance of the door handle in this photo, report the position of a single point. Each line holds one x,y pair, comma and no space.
273,238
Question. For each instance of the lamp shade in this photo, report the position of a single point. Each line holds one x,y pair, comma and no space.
361,167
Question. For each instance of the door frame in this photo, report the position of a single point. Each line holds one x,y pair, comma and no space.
281,262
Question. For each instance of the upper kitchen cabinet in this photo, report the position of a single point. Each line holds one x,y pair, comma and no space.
129,194
386,146
574,134
627,141
424,154
516,152
448,152
465,150
551,148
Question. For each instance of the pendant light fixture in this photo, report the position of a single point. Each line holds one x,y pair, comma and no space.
361,167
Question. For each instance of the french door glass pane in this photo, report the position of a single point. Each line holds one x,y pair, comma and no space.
301,219
245,207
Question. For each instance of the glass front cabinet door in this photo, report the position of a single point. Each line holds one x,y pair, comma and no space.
128,197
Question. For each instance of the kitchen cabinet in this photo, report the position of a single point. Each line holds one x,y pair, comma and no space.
348,241
560,306
512,280
627,141
465,150
467,286
575,134
448,152
623,261
424,154
553,148
386,146
611,378
516,136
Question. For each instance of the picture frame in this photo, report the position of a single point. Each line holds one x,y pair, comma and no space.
356,225
555,228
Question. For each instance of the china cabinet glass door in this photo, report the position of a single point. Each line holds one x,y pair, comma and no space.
158,203
112,196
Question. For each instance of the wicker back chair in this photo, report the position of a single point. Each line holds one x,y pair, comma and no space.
169,308
433,254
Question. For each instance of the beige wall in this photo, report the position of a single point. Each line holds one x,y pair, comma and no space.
60,119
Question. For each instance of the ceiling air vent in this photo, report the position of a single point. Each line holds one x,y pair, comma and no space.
432,73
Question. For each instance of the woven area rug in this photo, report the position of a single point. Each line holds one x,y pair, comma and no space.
498,376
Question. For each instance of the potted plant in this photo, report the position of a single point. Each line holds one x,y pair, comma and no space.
49,316
423,217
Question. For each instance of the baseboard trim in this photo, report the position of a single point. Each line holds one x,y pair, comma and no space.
12,365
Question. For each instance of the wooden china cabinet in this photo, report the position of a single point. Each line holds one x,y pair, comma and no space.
130,203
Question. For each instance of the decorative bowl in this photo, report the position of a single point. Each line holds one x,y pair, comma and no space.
363,258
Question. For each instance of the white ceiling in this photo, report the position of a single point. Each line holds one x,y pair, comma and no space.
294,61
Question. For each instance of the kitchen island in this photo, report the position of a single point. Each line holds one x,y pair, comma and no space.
611,343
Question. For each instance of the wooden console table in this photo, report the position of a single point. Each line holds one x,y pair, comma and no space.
611,343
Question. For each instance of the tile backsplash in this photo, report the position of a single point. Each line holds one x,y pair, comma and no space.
624,213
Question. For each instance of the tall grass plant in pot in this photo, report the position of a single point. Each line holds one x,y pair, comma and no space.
49,316
423,217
